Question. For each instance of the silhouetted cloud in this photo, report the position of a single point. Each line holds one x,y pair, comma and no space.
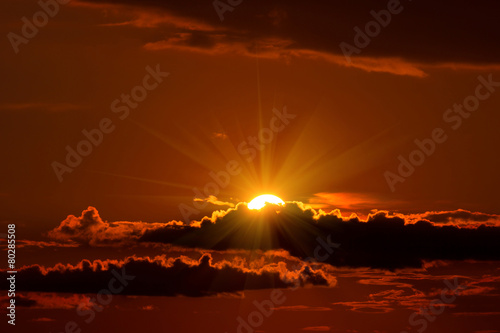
90,229
315,29
381,241
164,276
38,300
458,217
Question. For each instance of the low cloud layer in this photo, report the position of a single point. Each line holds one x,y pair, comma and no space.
381,241
458,217
162,276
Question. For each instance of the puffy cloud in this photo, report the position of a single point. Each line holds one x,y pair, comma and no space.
90,229
383,240
164,276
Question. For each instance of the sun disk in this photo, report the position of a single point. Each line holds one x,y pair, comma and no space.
261,200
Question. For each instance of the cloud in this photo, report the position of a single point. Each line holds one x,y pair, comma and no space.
149,308
220,135
388,300
379,291
90,229
20,243
370,243
282,30
162,276
213,200
382,240
43,300
345,201
43,319
458,217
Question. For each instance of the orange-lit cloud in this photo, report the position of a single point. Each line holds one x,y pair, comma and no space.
43,319
90,229
301,230
214,201
353,202
163,276
282,32
459,217
44,300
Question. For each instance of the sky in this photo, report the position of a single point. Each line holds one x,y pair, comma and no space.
134,133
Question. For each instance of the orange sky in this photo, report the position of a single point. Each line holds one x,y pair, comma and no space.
171,111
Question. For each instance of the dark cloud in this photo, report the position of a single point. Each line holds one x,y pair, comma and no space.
163,276
382,241
459,216
90,229
36,300
425,32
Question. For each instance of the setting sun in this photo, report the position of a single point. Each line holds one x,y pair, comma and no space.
261,200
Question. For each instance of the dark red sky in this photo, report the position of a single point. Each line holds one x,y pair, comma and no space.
351,121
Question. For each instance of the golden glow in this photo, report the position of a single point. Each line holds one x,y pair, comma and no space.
262,200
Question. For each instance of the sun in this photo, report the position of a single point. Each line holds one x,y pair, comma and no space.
261,200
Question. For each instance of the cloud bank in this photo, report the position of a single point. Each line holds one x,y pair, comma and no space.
315,29
381,241
162,276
